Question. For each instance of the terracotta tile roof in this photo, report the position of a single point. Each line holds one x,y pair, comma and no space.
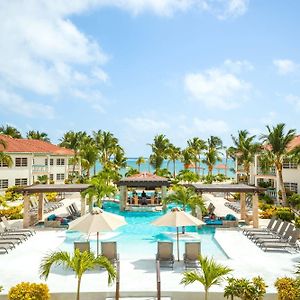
32,146
293,144
145,176
221,167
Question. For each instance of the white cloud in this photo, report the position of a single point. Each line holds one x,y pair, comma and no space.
210,125
216,88
142,124
238,66
10,102
269,118
285,66
294,100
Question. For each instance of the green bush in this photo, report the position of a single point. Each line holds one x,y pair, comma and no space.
13,193
288,288
51,196
285,214
297,222
294,201
29,291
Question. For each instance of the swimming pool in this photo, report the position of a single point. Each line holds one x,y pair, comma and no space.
138,239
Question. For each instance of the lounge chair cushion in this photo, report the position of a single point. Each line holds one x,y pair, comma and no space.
51,217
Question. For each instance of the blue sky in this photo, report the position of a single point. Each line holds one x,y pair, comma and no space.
138,68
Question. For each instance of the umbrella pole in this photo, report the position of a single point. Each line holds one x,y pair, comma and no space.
177,242
97,243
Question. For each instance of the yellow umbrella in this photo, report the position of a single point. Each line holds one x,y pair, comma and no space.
177,218
96,221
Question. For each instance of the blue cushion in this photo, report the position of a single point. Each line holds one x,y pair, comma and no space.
51,217
230,217
64,221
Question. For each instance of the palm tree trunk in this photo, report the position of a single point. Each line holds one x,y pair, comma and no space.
195,166
174,168
206,293
78,287
210,169
95,169
139,165
283,192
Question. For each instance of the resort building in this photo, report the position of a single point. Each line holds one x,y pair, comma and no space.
291,174
31,159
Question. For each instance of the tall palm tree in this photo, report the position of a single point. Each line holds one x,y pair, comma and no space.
196,146
107,145
36,135
88,153
276,143
140,160
4,157
73,140
159,146
211,274
186,157
245,149
120,160
79,262
11,131
212,154
173,153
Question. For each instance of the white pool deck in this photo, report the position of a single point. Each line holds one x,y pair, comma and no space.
138,275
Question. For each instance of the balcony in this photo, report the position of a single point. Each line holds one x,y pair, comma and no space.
270,172
39,169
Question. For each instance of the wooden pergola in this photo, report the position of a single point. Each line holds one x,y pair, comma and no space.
40,189
243,189
141,180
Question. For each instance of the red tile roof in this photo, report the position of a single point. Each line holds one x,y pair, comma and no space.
32,146
292,145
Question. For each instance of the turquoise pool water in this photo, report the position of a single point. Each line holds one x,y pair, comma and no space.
138,239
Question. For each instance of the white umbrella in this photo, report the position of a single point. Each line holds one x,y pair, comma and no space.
96,221
177,218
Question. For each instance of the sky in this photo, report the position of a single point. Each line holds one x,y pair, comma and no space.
137,68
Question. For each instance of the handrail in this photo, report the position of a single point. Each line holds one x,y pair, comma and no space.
158,283
118,281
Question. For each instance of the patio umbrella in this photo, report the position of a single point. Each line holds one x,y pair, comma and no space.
96,221
177,218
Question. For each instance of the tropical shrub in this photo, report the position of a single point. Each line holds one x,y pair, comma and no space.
51,196
268,213
13,193
12,212
29,291
294,201
285,214
267,199
245,289
288,288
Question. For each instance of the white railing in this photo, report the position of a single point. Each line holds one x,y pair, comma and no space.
39,168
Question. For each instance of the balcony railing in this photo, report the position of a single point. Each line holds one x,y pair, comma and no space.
270,172
39,168
272,193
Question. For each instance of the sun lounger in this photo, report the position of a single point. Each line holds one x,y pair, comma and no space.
75,209
273,235
191,255
6,246
274,230
248,231
9,228
109,250
280,237
82,246
165,253
281,245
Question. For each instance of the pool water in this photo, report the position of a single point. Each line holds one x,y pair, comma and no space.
138,239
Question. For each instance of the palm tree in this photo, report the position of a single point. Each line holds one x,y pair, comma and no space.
5,158
276,143
11,131
196,146
88,154
211,274
80,262
212,153
174,154
131,171
244,149
73,140
186,157
187,176
36,135
159,147
140,160
120,160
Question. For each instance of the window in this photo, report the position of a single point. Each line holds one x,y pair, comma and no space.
3,164
46,161
21,162
3,183
51,177
60,162
287,164
292,186
20,181
60,176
